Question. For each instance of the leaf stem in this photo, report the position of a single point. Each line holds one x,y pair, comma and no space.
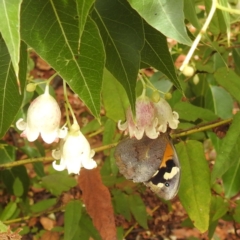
34,215
200,128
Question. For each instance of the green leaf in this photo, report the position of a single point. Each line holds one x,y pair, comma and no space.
10,29
215,102
117,103
138,210
121,206
226,18
219,208
121,29
166,16
190,112
229,150
190,13
57,183
83,8
155,53
7,153
10,98
32,153
229,80
8,178
231,179
87,229
51,30
108,134
8,211
158,79
217,24
194,192
236,214
72,217
43,205
18,189
3,227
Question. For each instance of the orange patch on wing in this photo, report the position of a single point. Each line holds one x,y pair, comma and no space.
168,154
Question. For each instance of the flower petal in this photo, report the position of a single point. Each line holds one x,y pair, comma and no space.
31,134
89,163
56,153
21,124
59,167
49,137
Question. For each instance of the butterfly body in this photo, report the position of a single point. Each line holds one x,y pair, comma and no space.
151,161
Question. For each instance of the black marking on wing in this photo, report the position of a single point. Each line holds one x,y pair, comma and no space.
158,178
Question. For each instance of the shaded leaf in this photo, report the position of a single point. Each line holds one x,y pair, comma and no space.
138,210
18,189
8,178
229,80
231,179
87,229
190,112
8,211
219,207
59,182
194,192
10,29
190,13
229,150
117,103
43,205
122,46
214,101
94,192
53,33
7,153
236,214
10,98
155,53
166,16
120,200
72,217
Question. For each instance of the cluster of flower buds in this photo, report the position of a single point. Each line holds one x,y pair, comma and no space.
152,118
43,118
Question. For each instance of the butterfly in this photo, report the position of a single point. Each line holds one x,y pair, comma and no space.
153,162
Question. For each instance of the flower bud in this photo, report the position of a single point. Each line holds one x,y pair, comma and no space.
155,96
188,71
196,79
168,95
31,87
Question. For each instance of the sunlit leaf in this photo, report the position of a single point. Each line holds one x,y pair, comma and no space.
194,192
138,210
10,29
166,16
72,217
53,33
229,150
10,98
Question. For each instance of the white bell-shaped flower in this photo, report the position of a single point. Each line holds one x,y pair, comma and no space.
75,152
165,115
151,118
43,117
